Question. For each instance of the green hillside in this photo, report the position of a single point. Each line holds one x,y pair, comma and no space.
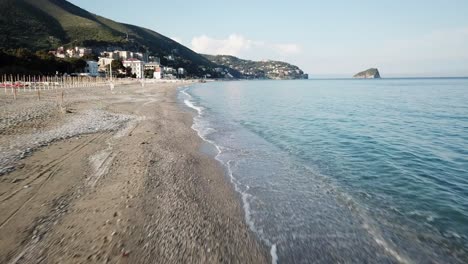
22,25
43,25
47,24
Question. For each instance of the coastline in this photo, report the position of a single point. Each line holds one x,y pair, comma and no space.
135,190
215,151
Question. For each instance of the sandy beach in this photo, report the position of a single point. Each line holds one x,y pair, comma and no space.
114,177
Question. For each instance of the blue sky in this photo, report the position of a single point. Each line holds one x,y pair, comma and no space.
325,38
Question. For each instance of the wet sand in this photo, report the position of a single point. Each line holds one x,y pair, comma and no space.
114,177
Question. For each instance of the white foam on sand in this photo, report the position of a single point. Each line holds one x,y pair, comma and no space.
202,133
191,105
274,256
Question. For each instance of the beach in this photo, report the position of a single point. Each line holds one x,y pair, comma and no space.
114,177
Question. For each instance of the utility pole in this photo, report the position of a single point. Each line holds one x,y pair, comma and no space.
111,82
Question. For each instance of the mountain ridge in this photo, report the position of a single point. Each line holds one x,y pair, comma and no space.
48,24
40,25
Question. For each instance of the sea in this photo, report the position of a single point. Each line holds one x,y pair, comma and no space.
344,171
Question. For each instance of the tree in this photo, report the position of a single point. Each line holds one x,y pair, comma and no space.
128,71
23,54
149,73
76,65
117,65
90,57
142,49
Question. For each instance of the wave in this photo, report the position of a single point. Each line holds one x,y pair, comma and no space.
202,132
191,105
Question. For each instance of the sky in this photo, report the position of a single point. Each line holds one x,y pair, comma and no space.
402,38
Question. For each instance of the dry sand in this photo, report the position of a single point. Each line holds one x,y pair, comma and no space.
113,177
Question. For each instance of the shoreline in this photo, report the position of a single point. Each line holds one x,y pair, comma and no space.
243,197
134,191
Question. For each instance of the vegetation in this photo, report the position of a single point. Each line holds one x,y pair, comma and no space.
258,69
42,25
23,61
48,24
149,74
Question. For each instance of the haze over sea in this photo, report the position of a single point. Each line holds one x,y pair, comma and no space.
354,171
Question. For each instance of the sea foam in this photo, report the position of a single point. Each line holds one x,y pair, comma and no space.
202,132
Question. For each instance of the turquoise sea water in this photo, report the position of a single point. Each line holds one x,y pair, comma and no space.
354,171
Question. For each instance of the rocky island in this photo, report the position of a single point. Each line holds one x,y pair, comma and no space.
371,73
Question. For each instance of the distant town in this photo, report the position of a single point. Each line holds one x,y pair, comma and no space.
140,65
61,39
121,63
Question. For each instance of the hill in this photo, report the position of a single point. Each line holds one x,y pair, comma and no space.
248,69
48,24
371,73
43,25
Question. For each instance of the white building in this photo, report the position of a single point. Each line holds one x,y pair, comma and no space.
157,74
123,54
103,61
83,51
110,55
181,71
137,66
151,66
92,68
71,53
154,59
169,70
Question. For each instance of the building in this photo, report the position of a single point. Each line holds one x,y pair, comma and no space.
123,54
157,73
92,68
170,57
154,59
181,71
83,51
76,52
103,62
71,53
151,66
156,68
169,70
110,55
136,65
60,53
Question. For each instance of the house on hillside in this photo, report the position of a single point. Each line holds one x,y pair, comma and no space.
180,72
154,59
83,51
140,55
123,54
110,55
